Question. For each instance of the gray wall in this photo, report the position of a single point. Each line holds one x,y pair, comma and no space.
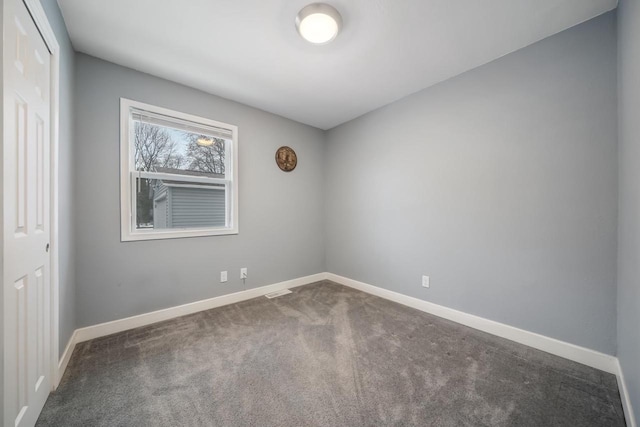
629,211
66,176
501,184
281,224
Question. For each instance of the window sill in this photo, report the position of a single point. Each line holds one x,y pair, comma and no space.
175,234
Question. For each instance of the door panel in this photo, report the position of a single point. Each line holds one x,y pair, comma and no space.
26,218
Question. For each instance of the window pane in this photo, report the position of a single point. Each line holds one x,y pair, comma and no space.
167,150
166,204
177,174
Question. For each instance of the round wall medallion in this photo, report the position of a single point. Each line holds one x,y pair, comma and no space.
286,159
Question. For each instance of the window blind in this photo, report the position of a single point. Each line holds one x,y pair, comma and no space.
180,124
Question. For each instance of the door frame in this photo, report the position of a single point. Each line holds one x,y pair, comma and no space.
46,31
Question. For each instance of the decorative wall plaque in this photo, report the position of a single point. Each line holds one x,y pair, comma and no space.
286,159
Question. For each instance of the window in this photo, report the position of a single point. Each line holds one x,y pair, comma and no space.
178,174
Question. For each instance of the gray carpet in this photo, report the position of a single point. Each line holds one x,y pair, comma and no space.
324,355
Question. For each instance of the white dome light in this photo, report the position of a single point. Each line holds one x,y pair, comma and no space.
318,23
204,142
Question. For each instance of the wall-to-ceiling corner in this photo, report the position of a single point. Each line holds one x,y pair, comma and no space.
501,184
629,208
66,178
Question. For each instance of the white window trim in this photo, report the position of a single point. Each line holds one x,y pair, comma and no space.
128,231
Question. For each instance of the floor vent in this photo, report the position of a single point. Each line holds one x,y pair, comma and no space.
278,293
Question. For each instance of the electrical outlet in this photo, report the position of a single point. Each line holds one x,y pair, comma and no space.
243,273
425,281
223,276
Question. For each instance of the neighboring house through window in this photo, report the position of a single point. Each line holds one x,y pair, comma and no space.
179,204
178,174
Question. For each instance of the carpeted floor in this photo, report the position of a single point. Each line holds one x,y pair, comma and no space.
324,355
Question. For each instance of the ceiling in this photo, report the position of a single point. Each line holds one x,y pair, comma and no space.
249,50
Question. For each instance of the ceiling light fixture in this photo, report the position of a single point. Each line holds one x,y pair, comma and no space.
318,23
205,142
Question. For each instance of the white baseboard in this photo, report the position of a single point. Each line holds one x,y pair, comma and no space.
108,328
601,361
583,355
595,359
624,396
66,357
